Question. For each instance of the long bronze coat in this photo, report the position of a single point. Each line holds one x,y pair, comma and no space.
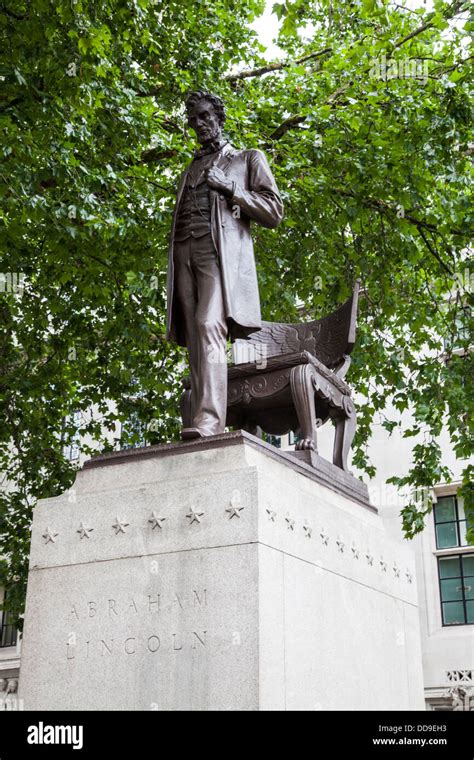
255,198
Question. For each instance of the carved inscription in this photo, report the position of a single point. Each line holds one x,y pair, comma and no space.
152,643
169,622
149,603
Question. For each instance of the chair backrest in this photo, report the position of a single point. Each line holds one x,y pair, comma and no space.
329,339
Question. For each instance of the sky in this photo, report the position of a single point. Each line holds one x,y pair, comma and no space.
267,29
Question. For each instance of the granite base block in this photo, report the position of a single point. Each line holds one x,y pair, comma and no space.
222,575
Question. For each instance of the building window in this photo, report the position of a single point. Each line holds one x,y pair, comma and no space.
450,522
293,438
456,581
275,440
8,631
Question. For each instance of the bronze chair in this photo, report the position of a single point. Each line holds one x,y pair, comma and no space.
294,381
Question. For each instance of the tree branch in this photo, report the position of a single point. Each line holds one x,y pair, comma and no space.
274,66
251,72
420,224
155,154
378,203
149,93
289,123
168,190
450,12
432,250
12,103
404,8
414,33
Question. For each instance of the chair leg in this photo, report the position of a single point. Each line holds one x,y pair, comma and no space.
252,428
185,408
346,424
302,391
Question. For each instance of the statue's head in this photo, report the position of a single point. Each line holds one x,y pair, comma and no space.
206,115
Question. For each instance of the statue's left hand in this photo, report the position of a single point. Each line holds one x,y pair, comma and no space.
217,179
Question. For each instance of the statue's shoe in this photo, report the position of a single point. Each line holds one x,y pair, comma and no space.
188,433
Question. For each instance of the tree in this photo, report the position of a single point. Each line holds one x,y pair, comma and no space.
365,119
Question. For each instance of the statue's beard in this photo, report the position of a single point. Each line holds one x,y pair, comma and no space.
210,138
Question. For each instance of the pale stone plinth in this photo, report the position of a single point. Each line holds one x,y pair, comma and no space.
218,576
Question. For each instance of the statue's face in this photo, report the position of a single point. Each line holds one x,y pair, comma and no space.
203,120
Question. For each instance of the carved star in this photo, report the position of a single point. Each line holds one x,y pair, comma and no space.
383,564
271,515
235,507
308,530
324,537
291,522
369,557
194,516
234,512
355,552
396,570
409,576
340,544
83,531
156,521
49,535
119,526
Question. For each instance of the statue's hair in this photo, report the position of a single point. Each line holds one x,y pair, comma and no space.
214,100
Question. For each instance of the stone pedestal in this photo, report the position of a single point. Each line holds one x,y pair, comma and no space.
222,574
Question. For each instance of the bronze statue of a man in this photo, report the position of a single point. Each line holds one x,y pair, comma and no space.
212,279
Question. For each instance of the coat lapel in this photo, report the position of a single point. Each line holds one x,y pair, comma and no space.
222,162
180,189
225,157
